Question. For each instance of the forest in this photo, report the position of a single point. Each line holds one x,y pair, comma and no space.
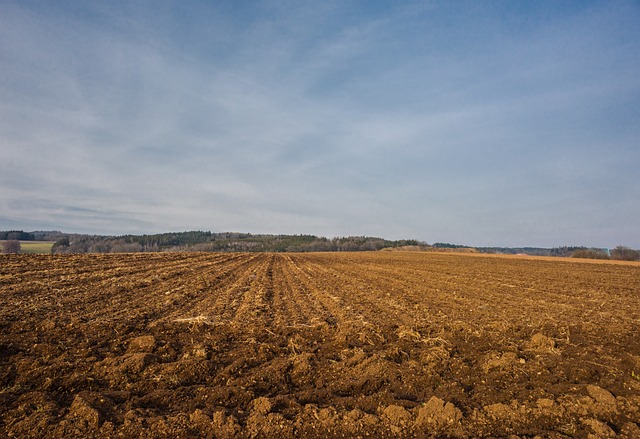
220,242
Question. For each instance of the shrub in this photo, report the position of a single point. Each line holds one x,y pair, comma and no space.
589,254
11,246
622,253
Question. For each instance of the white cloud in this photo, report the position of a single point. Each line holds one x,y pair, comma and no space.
325,119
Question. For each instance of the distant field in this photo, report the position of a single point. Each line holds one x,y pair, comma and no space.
43,247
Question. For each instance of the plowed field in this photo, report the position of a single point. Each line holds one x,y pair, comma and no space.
317,345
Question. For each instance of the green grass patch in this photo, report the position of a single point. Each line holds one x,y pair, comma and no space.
36,247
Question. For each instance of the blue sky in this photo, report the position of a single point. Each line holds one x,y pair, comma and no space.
482,123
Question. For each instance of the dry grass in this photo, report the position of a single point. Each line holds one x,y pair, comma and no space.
197,320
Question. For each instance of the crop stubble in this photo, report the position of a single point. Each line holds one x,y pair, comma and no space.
351,344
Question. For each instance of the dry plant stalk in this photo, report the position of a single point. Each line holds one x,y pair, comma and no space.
195,320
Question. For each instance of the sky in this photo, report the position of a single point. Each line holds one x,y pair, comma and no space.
494,123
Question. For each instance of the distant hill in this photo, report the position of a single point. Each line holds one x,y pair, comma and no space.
203,241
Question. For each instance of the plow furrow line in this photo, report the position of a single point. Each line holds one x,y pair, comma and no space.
206,293
360,298
253,300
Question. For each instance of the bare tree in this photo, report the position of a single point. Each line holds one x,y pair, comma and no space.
589,254
623,253
11,246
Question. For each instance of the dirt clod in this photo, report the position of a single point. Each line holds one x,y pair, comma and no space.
601,395
82,410
144,343
397,415
261,406
438,415
540,342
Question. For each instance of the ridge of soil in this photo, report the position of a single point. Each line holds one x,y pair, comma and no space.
386,344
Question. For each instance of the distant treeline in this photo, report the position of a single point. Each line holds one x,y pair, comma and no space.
219,242
19,235
448,246
247,242
533,251
620,253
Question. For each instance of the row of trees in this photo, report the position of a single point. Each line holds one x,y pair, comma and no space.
220,242
590,253
16,235
533,251
94,244
620,253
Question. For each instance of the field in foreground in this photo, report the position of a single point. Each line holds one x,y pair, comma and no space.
317,345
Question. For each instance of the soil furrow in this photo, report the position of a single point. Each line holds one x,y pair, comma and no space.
380,344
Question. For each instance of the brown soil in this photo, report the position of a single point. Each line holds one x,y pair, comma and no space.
317,345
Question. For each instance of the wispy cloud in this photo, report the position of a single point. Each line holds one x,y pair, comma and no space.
489,124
